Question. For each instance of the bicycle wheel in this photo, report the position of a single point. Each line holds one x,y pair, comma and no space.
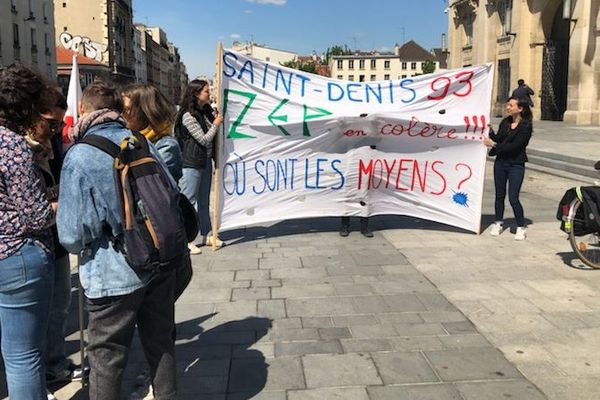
586,247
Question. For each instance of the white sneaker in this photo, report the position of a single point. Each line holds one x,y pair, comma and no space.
521,233
496,229
50,395
194,249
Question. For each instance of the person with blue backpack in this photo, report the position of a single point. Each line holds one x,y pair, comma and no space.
129,243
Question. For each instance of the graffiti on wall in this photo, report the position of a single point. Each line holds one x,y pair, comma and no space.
83,45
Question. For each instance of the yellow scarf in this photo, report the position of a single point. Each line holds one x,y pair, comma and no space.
164,129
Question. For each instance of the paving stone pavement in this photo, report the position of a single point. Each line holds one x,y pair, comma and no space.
420,312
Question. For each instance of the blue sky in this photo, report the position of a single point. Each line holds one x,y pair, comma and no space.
300,26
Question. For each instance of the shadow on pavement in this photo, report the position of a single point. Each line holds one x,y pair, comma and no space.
571,260
332,224
221,359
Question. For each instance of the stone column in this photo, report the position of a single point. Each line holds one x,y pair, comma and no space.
584,71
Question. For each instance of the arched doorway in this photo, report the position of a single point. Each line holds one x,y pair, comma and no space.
555,69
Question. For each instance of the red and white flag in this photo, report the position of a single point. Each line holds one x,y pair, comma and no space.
73,99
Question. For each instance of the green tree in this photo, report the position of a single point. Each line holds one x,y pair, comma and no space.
306,67
428,67
336,51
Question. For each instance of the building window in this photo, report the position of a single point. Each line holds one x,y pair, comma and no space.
33,40
403,76
373,64
45,12
386,64
47,43
361,64
31,9
404,65
350,64
16,42
13,5
386,77
468,26
340,64
267,59
361,78
373,78
422,66
505,14
350,77
340,77
64,4
413,66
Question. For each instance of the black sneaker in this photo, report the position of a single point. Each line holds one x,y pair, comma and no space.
71,373
366,232
344,231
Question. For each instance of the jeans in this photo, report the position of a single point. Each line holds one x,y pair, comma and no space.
56,359
112,322
195,185
25,293
514,175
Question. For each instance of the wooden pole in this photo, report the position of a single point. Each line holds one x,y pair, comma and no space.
217,151
81,323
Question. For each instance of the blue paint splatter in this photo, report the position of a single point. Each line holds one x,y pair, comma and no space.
461,198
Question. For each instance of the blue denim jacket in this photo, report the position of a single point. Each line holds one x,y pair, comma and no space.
88,216
168,148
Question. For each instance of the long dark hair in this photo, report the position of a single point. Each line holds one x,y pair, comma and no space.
189,103
149,107
526,114
20,90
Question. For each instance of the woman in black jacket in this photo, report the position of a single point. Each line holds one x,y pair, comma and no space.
196,125
508,145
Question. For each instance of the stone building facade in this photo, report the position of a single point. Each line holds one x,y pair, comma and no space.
27,35
551,44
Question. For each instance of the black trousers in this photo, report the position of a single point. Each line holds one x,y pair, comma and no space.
513,174
111,326
364,222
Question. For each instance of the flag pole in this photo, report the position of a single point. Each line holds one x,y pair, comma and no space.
217,151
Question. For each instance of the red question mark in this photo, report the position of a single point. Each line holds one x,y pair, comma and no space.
468,177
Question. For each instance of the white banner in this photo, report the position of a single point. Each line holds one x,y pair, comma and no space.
298,145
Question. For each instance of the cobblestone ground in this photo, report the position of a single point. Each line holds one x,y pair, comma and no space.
421,311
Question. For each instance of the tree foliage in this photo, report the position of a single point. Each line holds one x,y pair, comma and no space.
428,67
302,66
336,51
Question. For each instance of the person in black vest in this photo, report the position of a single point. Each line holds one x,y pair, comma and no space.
523,92
196,125
508,145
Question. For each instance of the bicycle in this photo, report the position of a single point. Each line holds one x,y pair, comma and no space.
584,240
585,244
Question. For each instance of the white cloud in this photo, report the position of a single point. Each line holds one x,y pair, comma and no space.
235,36
247,11
273,2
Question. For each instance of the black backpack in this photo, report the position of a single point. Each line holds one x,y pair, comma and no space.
149,205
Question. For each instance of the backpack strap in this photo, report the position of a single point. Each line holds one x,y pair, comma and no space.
101,143
142,140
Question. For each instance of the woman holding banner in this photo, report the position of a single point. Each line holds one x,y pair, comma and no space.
508,145
196,125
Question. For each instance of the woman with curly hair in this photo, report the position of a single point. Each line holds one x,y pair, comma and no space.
26,247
